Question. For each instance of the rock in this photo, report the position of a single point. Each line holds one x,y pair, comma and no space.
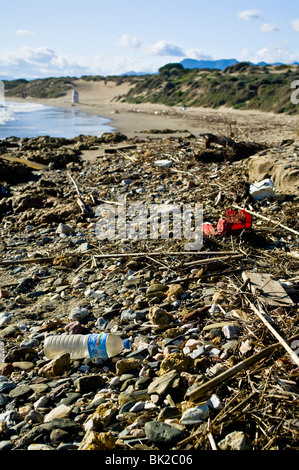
176,361
65,229
61,411
156,289
284,172
37,446
162,434
88,383
160,385
98,441
9,331
23,365
125,365
78,313
236,440
101,417
21,354
174,291
74,328
160,317
56,366
20,391
195,415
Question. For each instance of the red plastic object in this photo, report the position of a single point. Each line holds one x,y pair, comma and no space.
208,229
234,222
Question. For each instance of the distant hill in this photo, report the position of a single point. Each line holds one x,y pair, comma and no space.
220,64
208,64
239,86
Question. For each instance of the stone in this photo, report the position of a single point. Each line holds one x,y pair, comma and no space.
162,434
88,383
56,366
160,317
97,441
101,417
176,361
194,415
65,229
20,391
61,411
21,354
236,440
160,385
156,288
23,365
125,365
78,313
174,291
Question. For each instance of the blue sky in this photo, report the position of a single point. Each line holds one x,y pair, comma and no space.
60,38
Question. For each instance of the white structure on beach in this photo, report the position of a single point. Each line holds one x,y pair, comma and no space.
75,97
2,93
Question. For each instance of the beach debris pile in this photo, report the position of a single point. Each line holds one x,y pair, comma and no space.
213,363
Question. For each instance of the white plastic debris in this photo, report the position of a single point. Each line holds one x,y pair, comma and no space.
262,189
163,163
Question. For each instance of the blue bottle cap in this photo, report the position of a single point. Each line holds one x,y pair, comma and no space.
127,344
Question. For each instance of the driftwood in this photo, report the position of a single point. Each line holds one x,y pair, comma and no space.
206,387
170,253
265,288
213,260
85,210
26,261
262,317
268,220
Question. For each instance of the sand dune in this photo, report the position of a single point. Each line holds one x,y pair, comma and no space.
131,119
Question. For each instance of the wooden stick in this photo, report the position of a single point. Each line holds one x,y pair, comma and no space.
206,387
213,260
170,253
25,261
261,316
85,210
268,220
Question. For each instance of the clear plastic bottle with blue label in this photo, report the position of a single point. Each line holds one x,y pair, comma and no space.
94,346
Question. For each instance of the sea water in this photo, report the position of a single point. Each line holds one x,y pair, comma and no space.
25,119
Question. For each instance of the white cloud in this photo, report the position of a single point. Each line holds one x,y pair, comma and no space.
197,55
248,15
295,24
268,28
24,32
129,42
41,62
165,48
270,54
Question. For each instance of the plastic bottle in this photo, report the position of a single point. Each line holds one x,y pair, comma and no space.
95,346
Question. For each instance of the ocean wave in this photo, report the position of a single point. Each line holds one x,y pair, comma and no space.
10,109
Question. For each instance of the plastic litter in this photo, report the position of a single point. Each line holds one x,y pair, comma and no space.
94,346
262,189
234,221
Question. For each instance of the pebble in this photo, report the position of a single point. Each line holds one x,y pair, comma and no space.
162,433
180,336
195,415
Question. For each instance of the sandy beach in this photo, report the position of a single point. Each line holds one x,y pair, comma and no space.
132,120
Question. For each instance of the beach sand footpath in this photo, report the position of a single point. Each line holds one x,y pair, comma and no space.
132,120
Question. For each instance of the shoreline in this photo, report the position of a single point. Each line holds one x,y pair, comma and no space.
96,98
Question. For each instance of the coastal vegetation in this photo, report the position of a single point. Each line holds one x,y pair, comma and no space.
239,86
